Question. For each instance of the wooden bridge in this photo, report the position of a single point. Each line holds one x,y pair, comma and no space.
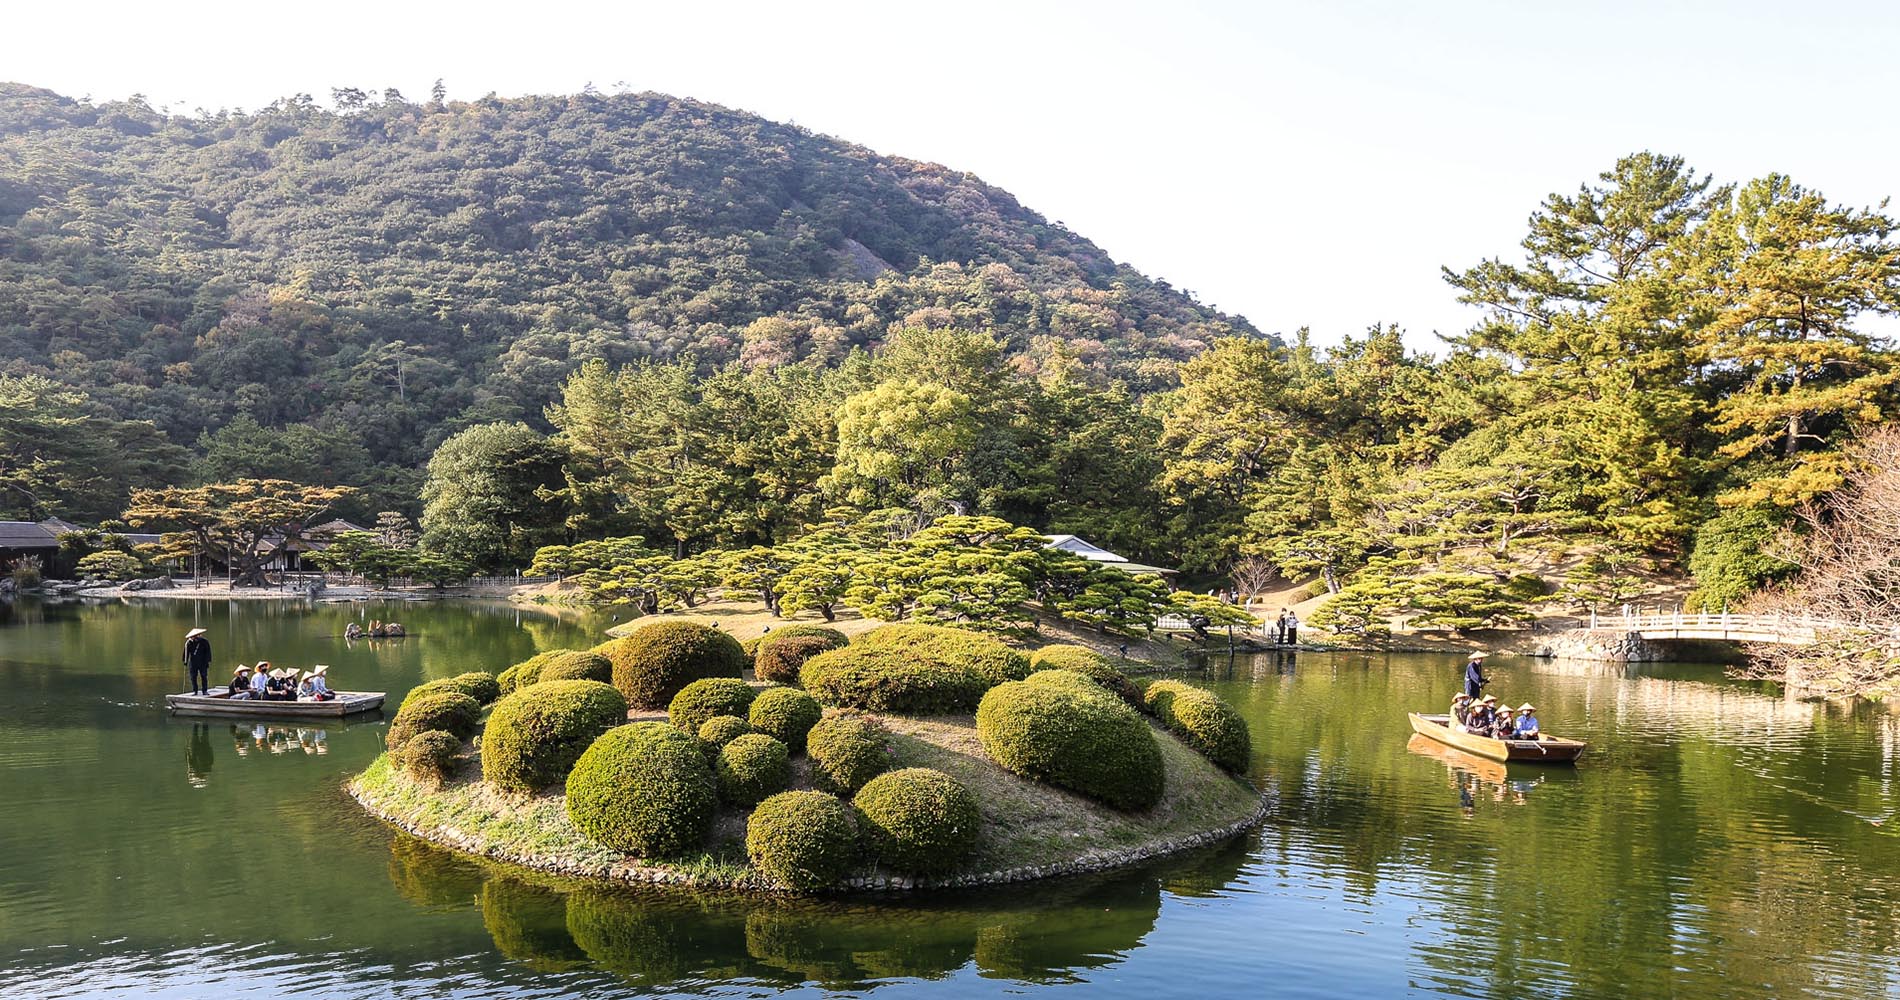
1783,630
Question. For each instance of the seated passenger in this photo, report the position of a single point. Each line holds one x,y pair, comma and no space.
314,688
240,688
1460,707
1527,722
1504,725
1479,719
260,680
280,688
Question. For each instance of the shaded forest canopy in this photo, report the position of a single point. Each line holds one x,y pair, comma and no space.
335,291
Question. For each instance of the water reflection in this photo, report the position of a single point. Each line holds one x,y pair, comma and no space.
198,756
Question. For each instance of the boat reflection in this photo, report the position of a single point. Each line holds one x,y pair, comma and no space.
1478,778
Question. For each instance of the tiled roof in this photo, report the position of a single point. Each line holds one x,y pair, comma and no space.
26,535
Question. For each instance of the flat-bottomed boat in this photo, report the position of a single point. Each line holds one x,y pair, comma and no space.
220,702
1546,749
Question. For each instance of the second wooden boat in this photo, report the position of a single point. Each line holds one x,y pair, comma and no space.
1545,749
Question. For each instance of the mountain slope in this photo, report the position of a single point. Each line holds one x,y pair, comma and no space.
393,271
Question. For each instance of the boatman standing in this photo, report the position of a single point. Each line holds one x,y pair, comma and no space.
1475,680
198,660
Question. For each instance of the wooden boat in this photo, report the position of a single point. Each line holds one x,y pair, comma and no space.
1546,749
219,702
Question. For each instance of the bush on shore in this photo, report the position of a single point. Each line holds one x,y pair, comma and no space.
651,665
1203,721
1091,664
453,713
428,757
535,735
645,789
917,820
707,697
783,651
752,767
847,751
801,840
483,687
1062,733
785,713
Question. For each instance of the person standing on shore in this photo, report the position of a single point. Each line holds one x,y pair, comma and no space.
1292,629
198,661
1279,629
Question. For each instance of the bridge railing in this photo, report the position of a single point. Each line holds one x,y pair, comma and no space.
1634,620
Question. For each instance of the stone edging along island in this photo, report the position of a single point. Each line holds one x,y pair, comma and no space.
601,864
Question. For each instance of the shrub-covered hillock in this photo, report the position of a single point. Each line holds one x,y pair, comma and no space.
801,840
707,697
1086,741
653,663
645,789
453,713
890,680
1203,721
917,820
847,751
989,659
783,651
535,735
785,713
1090,663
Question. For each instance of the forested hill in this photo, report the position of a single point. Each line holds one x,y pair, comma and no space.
391,271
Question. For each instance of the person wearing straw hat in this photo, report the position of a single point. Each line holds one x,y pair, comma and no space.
1460,705
240,687
260,680
1482,713
1475,680
314,688
1526,722
198,661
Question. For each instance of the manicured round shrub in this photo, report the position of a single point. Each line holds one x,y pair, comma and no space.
535,734
645,789
707,697
428,757
577,665
527,671
886,680
782,651
477,685
1062,734
453,713
917,820
1091,664
654,663
951,647
1203,721
801,840
751,767
1070,679
846,752
785,713
751,646
720,730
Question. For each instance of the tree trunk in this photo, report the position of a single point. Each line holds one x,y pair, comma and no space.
830,615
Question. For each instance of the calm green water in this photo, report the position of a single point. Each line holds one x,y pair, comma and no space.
1719,841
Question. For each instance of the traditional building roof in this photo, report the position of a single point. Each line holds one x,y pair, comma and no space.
1077,546
27,535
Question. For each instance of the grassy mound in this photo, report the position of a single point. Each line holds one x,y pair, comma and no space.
645,789
655,662
1084,740
535,735
1203,721
801,840
448,711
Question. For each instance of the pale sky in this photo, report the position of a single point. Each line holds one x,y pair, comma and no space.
1297,163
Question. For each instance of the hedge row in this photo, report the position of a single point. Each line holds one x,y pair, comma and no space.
1203,721
1072,734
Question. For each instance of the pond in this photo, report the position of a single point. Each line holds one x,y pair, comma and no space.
1718,841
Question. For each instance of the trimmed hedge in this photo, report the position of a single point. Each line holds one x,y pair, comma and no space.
846,752
707,697
1071,679
781,652
453,713
951,647
577,665
655,662
917,820
535,735
428,756
1068,736
645,789
751,767
720,730
801,840
527,671
477,685
1091,664
1203,721
889,680
785,713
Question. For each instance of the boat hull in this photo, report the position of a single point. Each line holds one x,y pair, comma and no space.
1543,750
345,703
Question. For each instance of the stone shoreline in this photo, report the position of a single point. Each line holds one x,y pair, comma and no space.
623,870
